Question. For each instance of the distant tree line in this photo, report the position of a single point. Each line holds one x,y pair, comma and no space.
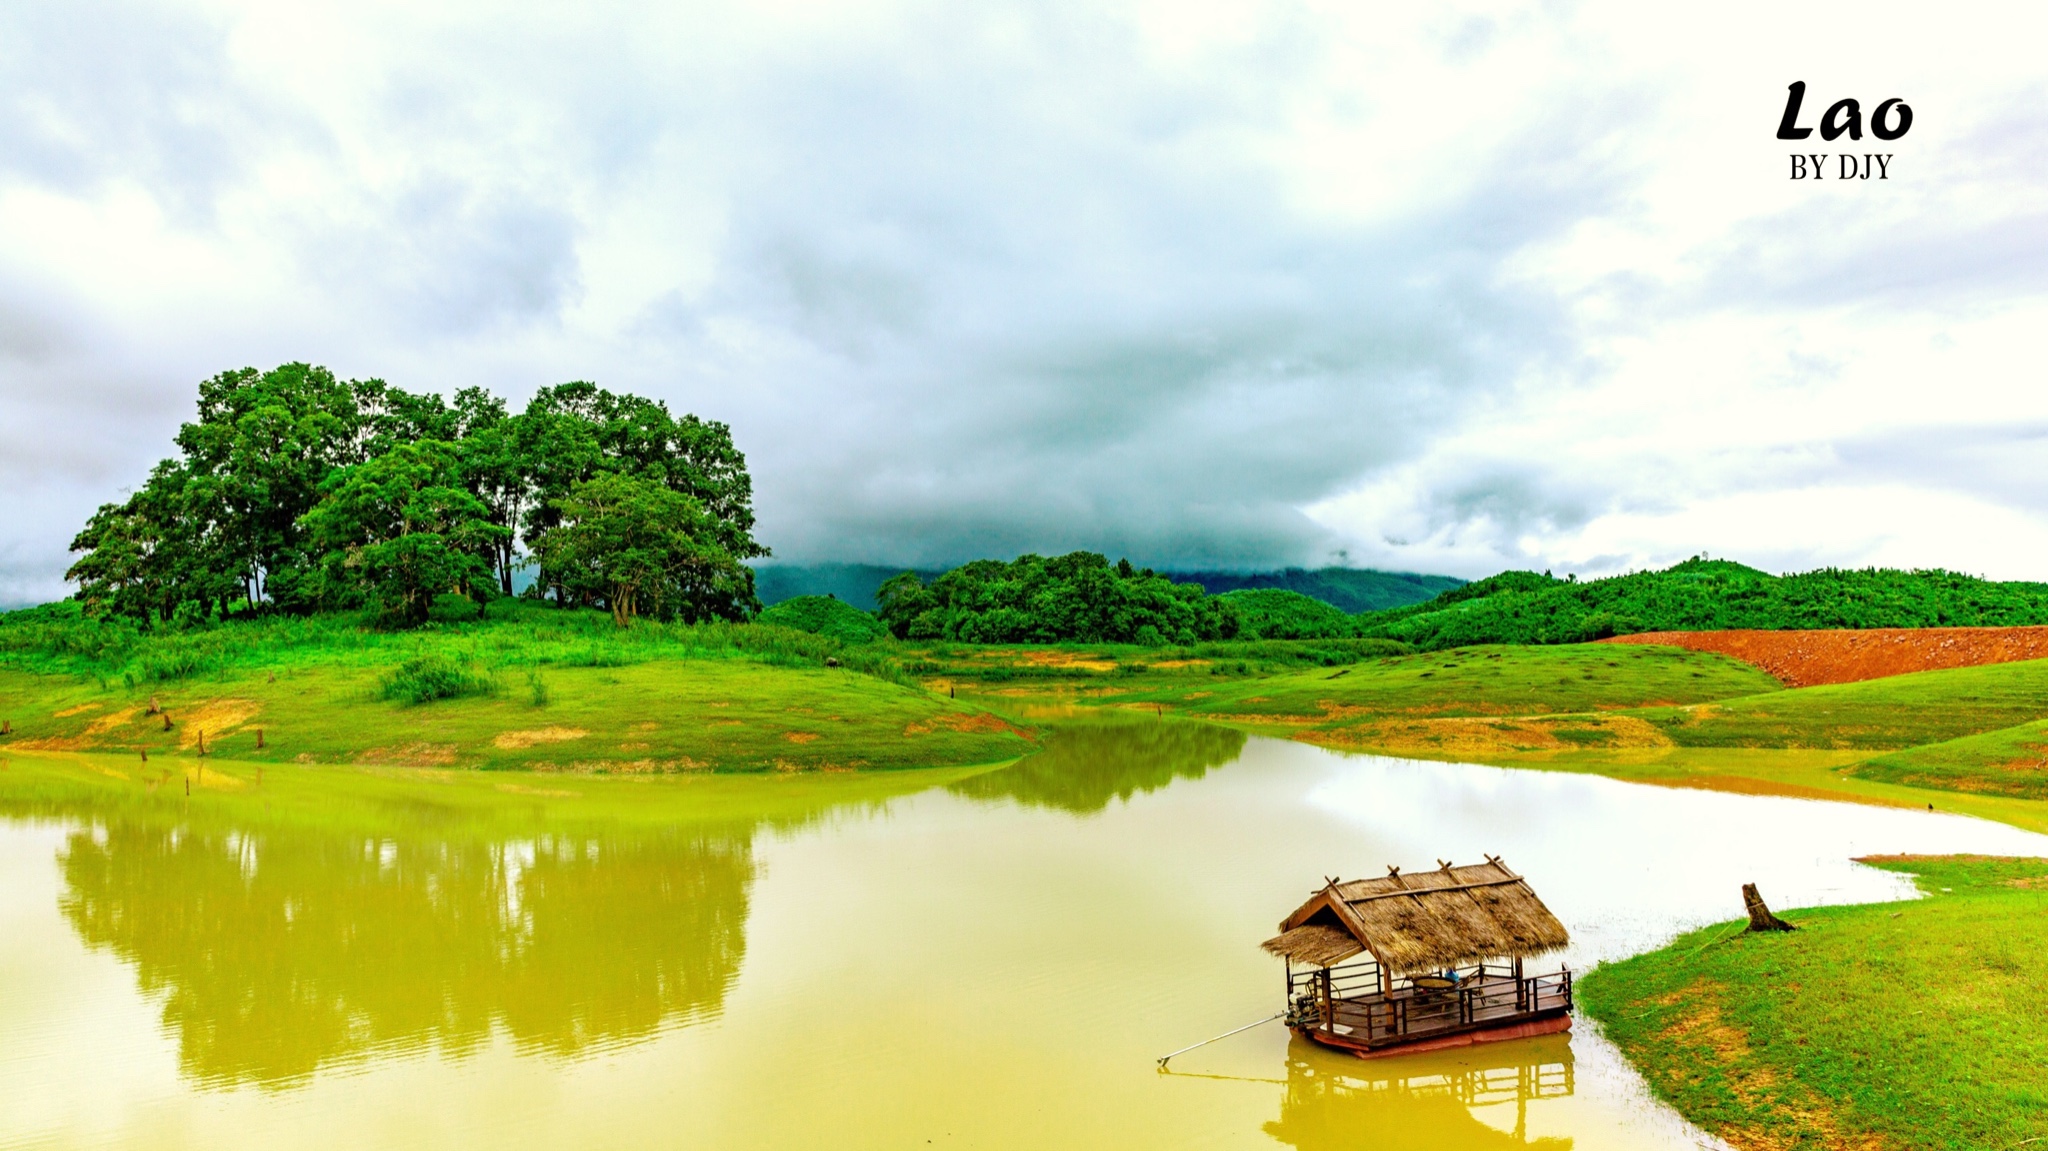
294,491
1079,596
1704,595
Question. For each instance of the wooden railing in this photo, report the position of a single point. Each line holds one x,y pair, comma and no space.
1350,1000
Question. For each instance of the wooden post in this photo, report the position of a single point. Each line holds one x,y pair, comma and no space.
1760,917
259,739
1323,985
167,721
202,745
145,755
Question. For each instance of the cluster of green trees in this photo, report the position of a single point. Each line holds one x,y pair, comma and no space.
1079,596
294,491
1704,595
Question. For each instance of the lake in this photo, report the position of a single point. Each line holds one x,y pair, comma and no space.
988,961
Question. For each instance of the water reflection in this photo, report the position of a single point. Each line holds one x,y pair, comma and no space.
277,953
1472,1099
1086,765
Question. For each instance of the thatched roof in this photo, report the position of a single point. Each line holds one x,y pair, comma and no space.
1421,921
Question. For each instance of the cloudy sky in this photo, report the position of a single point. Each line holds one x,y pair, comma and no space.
1403,286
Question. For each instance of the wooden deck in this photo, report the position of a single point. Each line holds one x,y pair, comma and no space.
1346,1006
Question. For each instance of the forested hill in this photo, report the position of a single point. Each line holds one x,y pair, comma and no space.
1704,595
1351,590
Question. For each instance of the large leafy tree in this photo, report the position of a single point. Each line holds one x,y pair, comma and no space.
156,555
401,529
493,470
263,445
639,547
571,432
233,517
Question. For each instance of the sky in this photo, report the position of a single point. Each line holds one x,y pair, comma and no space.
1421,287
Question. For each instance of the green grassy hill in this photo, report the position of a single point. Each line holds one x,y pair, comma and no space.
1907,1025
1704,595
530,688
1271,613
827,616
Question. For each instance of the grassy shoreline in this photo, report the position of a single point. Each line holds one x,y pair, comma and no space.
1906,1025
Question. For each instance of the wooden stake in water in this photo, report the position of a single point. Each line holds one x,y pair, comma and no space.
259,739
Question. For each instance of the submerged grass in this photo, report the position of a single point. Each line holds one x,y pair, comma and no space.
1911,1025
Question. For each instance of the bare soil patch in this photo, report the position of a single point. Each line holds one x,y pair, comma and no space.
521,740
1809,658
216,718
980,721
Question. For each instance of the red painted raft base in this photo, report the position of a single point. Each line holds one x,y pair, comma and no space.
1526,1030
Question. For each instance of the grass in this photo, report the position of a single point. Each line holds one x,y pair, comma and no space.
2011,761
1880,714
1914,1025
717,715
1491,680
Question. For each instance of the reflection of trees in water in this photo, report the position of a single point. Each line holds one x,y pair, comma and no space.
1429,1102
1086,765
279,953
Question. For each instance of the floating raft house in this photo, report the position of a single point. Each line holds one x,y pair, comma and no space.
1419,961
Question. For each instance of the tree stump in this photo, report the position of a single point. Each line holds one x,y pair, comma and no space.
1760,917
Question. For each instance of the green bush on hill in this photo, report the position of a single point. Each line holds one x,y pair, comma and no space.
1032,599
825,615
426,678
1704,595
1270,613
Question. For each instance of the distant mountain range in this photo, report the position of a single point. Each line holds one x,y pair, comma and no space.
1352,590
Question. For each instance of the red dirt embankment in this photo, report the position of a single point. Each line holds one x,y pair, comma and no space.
1806,658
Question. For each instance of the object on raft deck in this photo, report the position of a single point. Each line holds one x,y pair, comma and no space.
1417,962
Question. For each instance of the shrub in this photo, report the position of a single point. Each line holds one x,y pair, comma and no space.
431,677
827,616
451,608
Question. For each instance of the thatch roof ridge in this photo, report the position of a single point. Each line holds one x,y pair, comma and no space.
1422,920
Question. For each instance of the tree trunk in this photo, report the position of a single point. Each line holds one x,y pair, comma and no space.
1760,917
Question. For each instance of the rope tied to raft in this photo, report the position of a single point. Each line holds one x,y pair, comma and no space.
1214,1038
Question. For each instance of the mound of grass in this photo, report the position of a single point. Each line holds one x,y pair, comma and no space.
1879,714
1274,613
827,616
2010,761
427,678
1913,1025
1493,680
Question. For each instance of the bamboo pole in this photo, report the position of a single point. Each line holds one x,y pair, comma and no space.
1214,1038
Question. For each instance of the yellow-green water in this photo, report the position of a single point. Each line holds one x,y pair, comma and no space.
986,960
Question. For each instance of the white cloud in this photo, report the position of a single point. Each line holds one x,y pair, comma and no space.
1447,288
